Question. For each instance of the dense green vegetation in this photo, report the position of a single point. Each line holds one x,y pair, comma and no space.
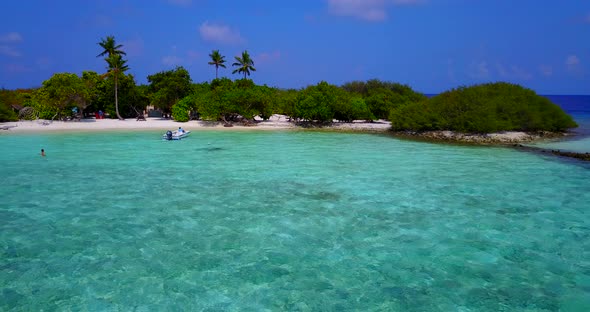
482,108
381,97
7,99
168,87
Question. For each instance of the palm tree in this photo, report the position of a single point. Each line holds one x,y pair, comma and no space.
217,59
110,47
116,67
245,63
115,61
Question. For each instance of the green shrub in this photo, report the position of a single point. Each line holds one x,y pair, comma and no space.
182,109
6,113
483,108
381,96
8,98
315,103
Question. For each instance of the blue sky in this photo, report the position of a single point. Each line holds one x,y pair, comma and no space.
431,45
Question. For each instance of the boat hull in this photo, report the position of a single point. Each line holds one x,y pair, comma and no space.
176,136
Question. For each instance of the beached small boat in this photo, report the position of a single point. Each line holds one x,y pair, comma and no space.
175,135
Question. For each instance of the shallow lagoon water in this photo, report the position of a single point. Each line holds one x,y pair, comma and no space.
578,143
299,221
578,106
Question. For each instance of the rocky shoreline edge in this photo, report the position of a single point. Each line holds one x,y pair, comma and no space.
498,138
560,153
509,139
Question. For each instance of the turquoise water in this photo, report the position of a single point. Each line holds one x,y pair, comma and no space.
578,106
577,145
580,143
296,221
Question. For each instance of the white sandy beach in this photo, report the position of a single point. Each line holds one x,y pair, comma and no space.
276,122
91,124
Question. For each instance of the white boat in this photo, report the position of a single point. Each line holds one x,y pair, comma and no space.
175,135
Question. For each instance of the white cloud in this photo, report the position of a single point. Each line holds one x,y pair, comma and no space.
44,62
369,10
171,60
174,60
11,37
451,70
572,60
16,68
267,57
502,70
9,51
220,34
546,70
193,55
479,70
7,42
573,64
359,71
513,72
520,73
133,47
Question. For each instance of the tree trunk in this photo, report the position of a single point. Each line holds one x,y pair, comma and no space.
216,70
117,101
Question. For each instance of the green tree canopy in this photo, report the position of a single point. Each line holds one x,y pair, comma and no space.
131,100
315,103
168,87
63,91
381,96
8,98
483,108
227,100
244,63
110,47
218,60
285,101
325,102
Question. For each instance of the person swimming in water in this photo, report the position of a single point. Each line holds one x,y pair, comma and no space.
43,152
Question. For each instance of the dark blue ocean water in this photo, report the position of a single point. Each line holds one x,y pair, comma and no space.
571,103
578,106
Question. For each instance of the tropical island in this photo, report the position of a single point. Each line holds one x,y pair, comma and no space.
481,113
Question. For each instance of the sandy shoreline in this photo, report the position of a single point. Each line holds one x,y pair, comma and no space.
280,122
276,122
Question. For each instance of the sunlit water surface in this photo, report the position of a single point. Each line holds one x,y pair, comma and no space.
299,221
